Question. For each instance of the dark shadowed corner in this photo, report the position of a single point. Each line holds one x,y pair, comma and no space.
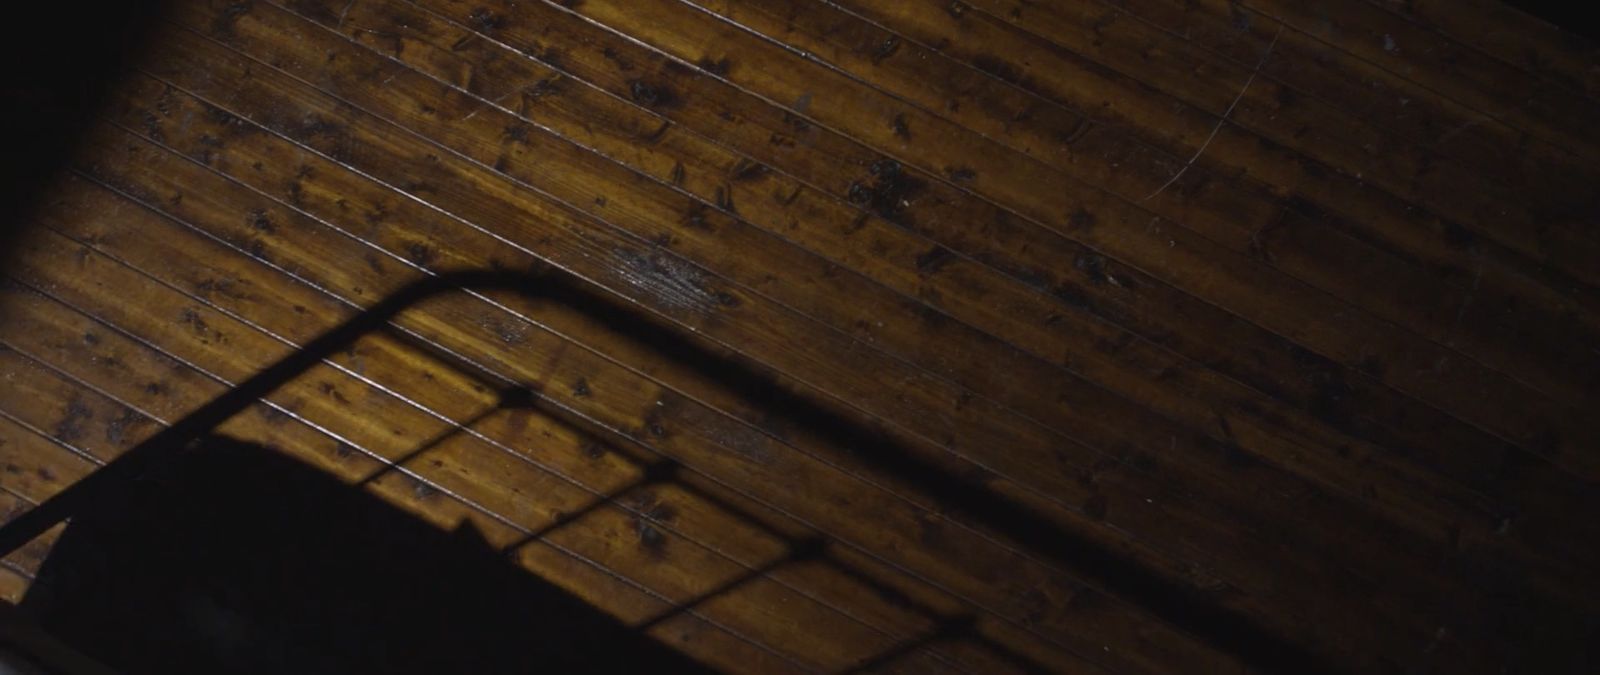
58,62
238,559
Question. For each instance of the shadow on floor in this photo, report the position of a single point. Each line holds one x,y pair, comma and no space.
57,66
239,559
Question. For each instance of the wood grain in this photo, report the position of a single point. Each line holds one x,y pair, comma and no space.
1285,311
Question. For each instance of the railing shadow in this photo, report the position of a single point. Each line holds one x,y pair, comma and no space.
974,503
235,558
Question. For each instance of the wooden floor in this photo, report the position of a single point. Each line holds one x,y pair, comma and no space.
1282,316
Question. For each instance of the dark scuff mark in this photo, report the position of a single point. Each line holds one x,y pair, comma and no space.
227,288
463,43
1238,17
656,135
258,250
746,170
695,217
901,129
718,67
789,198
727,300
887,191
580,389
649,95
258,220
997,68
961,174
331,391
1235,457
1080,219
548,86
1078,131
934,260
271,414
799,124
222,26
650,539
652,424
419,253
71,426
623,64
1093,266
1071,296
152,128
423,490
198,325
886,49
484,21
117,428
650,506
1458,236
328,137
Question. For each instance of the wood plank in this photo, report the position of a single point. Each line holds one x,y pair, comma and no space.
492,69
690,512
1290,236
288,311
1461,73
922,213
399,24
607,591
466,467
94,426
1167,245
982,94
439,50
1513,36
1399,231
309,187
1362,88
12,585
34,468
987,336
1507,206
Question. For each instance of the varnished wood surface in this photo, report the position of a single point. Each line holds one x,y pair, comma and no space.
1288,306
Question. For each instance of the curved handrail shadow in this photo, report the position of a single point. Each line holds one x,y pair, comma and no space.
1186,609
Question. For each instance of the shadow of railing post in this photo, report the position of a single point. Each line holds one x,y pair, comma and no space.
1185,609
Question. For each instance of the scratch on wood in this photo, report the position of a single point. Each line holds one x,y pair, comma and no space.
343,13
1224,119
